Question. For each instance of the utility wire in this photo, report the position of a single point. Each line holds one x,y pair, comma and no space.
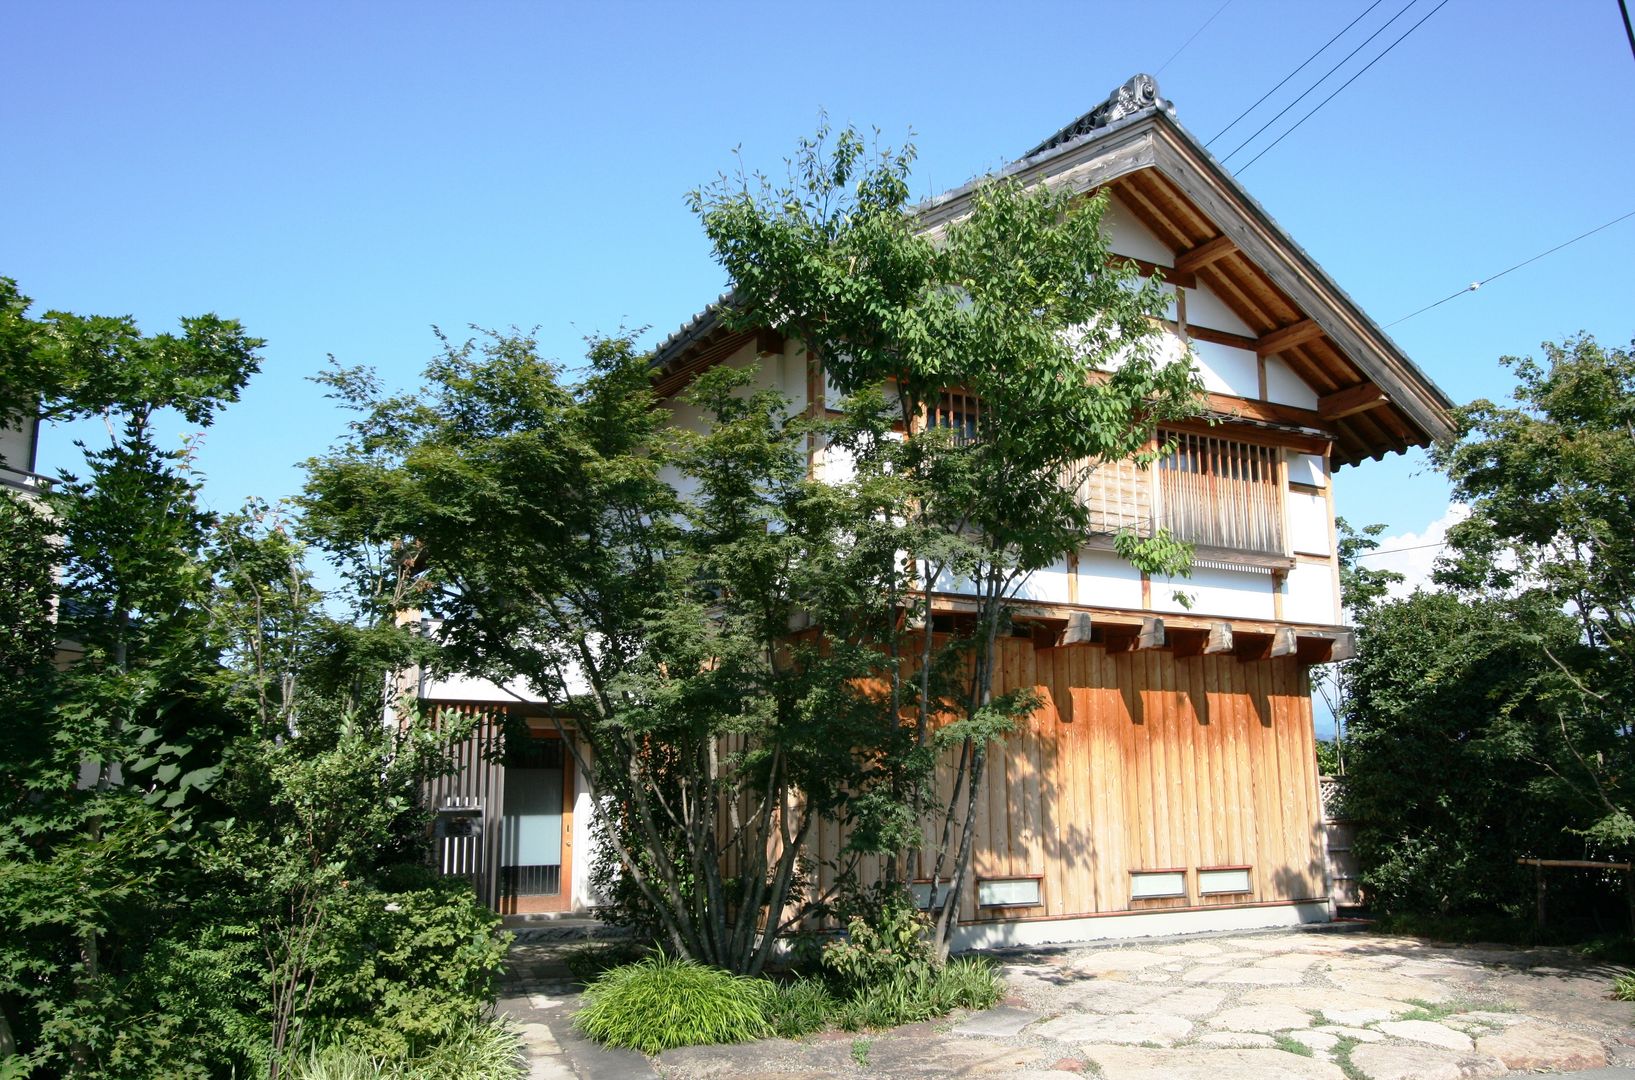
1297,71
1342,86
1473,286
1393,551
1191,39
1319,82
1629,30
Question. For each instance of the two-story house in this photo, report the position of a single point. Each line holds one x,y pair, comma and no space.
1169,783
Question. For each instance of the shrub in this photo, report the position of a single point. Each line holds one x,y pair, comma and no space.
968,982
893,944
662,1002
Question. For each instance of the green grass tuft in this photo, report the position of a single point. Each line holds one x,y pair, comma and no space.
799,1008
662,1002
1623,987
485,1050
1292,1046
860,1052
1342,1057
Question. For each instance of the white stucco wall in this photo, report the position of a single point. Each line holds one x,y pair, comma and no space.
1237,594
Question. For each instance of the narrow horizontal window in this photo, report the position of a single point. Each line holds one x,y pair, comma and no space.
1008,892
1225,879
1153,884
922,893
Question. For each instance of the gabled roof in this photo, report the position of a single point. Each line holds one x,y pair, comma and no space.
1371,395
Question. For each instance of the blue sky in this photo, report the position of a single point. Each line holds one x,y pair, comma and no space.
342,176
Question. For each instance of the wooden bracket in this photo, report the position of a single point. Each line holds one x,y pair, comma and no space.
1079,630
1220,638
1152,634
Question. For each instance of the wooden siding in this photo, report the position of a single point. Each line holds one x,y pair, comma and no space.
1140,760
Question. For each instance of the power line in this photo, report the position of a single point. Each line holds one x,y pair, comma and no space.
1319,82
1393,551
1343,85
1193,38
1297,71
1629,30
1473,286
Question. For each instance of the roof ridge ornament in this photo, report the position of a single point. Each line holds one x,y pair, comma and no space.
1138,94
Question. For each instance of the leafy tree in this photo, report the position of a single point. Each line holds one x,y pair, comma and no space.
1451,742
661,627
1550,482
102,768
211,847
1492,720
1018,304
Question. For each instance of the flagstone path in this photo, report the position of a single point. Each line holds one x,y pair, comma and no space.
1314,1004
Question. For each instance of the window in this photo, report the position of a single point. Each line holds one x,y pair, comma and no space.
1154,884
1216,880
922,892
1008,892
960,412
1222,494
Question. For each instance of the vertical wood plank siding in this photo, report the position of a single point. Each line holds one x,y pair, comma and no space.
1139,760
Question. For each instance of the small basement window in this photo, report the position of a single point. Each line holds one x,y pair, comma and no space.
1156,884
1009,892
922,893
1218,880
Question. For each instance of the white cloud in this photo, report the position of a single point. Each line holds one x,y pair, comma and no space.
1414,554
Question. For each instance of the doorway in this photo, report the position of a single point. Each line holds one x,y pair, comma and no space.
536,826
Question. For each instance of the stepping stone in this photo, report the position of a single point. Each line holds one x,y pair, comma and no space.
1000,1023
1393,1061
1193,1001
1111,996
1432,1034
1367,1035
1196,1063
1093,960
1121,1029
1534,1047
1262,1018
1237,1040
1317,1040
1252,976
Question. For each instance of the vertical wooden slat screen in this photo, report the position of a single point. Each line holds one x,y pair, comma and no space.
478,783
1221,493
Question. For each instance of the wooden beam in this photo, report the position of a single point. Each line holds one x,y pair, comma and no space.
1209,333
1205,253
1351,400
1284,643
1170,275
1287,337
768,342
1078,630
1220,639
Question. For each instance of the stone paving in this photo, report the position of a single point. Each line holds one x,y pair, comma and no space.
1313,1004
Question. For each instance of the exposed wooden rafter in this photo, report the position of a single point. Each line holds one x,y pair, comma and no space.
1288,337
1205,253
1350,401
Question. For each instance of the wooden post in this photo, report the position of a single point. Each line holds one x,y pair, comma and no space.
1538,872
